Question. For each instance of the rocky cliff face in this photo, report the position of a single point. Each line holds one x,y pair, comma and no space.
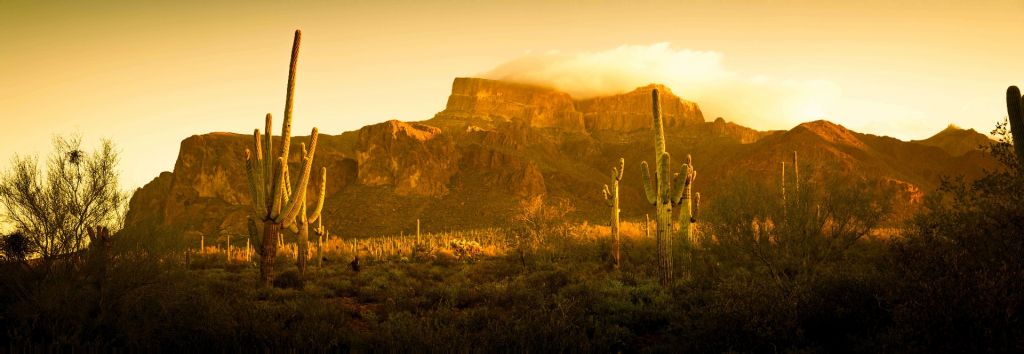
488,101
631,112
414,158
496,143
483,100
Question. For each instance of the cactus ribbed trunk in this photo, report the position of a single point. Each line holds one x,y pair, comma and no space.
300,257
1015,112
615,227
659,193
270,232
664,229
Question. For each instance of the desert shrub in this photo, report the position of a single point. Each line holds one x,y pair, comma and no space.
466,250
959,268
537,222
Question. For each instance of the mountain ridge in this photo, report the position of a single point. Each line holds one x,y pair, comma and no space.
497,142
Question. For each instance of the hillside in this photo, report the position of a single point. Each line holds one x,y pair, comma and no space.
497,142
957,141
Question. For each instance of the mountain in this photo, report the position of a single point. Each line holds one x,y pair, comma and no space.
957,141
497,142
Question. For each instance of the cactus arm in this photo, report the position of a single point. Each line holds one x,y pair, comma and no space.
286,126
300,197
278,189
645,176
303,218
679,184
696,207
618,173
1015,112
659,130
608,196
664,176
291,210
268,160
250,166
259,187
315,217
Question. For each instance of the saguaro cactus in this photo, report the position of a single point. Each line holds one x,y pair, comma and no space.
269,181
1015,111
611,197
321,235
660,191
305,220
688,215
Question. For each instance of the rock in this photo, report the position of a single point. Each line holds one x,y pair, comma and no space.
630,112
414,158
482,100
518,177
210,166
743,135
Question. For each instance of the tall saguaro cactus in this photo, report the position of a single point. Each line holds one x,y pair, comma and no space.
660,193
611,197
1015,111
273,202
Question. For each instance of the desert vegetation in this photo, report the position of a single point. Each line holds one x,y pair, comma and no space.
807,260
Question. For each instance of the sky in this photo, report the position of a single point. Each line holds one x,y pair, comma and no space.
148,74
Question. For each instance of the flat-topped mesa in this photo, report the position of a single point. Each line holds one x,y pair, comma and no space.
631,112
482,100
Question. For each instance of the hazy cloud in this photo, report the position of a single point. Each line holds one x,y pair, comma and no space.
757,101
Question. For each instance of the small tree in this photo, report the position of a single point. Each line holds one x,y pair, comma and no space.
54,210
536,220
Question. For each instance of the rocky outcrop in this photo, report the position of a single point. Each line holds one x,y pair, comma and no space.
518,177
147,203
743,135
630,112
482,100
415,159
210,166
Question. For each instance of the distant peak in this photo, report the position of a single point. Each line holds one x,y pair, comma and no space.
822,124
830,132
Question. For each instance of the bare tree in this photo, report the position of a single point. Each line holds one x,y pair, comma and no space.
54,209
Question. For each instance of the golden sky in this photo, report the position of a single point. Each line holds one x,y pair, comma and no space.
148,74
